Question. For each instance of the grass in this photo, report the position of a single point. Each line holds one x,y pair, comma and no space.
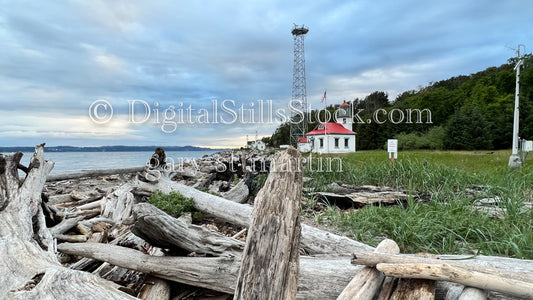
174,203
445,221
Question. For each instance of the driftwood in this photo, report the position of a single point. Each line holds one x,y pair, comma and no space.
161,230
65,226
388,287
419,289
360,199
269,267
238,193
506,275
313,240
460,275
118,205
92,173
368,281
83,229
155,289
72,238
124,237
348,196
320,278
59,199
29,268
519,269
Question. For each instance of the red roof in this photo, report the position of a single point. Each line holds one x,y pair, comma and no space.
332,128
302,139
344,103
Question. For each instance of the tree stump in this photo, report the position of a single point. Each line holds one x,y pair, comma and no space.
270,264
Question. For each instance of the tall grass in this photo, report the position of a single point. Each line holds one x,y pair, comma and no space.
445,222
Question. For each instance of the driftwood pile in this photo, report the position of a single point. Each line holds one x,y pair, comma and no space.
347,196
98,237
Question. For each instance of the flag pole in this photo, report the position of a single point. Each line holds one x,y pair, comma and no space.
325,122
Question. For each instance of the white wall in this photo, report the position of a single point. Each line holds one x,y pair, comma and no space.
304,147
329,143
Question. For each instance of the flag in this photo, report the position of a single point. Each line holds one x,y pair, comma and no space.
324,97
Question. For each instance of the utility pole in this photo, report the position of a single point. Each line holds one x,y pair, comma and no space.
514,160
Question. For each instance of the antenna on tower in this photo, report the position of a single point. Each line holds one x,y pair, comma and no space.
298,125
517,50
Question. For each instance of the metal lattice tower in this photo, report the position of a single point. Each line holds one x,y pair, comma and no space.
299,94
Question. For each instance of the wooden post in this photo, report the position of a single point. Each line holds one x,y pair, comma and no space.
366,282
270,263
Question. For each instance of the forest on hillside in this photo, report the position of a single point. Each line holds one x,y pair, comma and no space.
468,112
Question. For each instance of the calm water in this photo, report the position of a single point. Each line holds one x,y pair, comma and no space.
75,161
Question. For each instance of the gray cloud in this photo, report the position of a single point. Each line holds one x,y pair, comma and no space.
59,57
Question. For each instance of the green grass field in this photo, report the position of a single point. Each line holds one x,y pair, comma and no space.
444,222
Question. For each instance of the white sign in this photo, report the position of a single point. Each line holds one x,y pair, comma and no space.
528,146
392,145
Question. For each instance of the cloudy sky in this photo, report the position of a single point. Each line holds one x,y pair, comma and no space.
195,72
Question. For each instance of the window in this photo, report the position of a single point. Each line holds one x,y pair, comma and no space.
336,143
343,120
346,142
321,142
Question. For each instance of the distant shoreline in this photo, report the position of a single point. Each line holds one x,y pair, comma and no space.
110,149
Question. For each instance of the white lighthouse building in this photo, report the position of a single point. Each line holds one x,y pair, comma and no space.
332,137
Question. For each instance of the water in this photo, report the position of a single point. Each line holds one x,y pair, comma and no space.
76,161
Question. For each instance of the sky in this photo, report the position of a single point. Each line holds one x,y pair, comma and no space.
209,73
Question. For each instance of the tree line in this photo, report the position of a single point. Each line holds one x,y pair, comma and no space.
467,112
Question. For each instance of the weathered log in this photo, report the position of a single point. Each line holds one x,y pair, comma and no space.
360,199
97,220
72,238
155,289
92,173
419,289
367,282
161,230
238,193
118,205
269,267
320,278
98,237
462,275
59,199
123,237
519,269
84,230
313,240
86,214
387,288
91,205
29,268
65,226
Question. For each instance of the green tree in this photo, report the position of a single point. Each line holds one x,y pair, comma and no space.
469,129
282,135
